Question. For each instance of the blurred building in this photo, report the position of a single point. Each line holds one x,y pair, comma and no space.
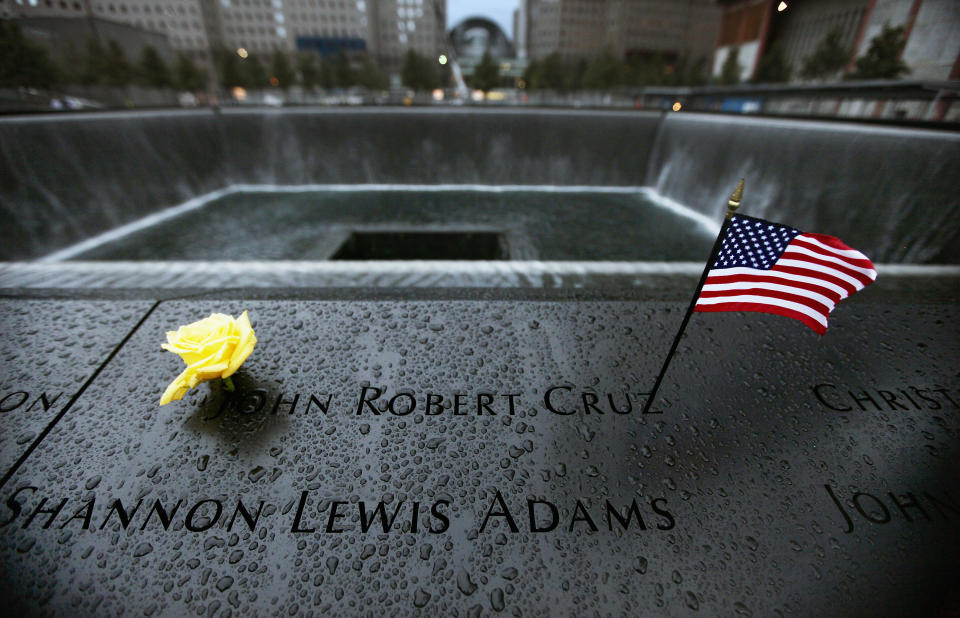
932,30
520,30
629,28
180,21
385,29
66,37
753,27
395,26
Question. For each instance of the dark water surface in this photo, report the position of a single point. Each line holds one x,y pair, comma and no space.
316,225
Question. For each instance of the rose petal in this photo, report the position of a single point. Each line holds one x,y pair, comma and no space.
214,346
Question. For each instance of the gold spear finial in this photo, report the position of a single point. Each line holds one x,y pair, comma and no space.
734,202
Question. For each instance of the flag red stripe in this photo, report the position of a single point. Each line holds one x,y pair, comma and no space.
859,262
760,308
836,244
715,277
859,276
794,270
796,298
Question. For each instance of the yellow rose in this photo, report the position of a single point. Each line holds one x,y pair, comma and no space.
214,347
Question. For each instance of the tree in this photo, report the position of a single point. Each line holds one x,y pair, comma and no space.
531,75
309,71
253,72
773,68
188,76
730,71
94,63
553,73
574,74
604,73
690,73
418,73
281,73
882,60
343,72
828,59
486,75
371,77
23,63
328,77
644,71
152,71
231,74
117,71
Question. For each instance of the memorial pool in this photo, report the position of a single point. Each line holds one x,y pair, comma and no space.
314,223
449,435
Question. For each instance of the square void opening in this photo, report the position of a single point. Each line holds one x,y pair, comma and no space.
417,245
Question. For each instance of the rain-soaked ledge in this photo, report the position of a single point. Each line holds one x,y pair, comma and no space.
440,280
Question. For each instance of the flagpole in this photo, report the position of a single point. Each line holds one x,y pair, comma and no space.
732,204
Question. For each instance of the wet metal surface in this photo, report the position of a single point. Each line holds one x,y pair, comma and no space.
788,474
48,350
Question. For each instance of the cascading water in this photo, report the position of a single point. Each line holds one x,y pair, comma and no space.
890,192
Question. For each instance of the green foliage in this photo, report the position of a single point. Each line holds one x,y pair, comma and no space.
773,68
309,70
152,71
117,71
690,72
418,73
486,75
23,63
105,66
280,69
531,75
94,63
639,71
551,73
229,67
730,71
253,72
604,73
246,72
882,60
328,78
829,58
371,77
188,76
343,72
576,73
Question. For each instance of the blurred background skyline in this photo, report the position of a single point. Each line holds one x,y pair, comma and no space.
883,59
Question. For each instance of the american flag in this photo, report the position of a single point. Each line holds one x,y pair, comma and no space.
772,268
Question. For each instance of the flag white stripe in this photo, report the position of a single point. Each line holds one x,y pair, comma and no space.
766,300
823,269
850,253
746,285
798,249
725,272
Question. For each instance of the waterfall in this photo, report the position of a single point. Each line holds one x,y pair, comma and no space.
890,192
